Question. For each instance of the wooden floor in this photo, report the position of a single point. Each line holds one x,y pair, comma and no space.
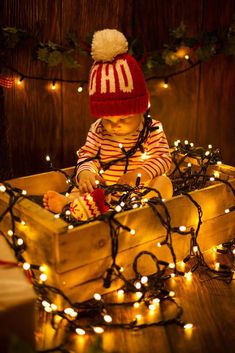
208,304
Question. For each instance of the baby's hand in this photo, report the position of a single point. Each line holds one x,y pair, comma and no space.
87,181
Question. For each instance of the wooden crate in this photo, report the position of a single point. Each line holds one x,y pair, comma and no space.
78,258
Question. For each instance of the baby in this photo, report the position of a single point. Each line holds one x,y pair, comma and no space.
128,143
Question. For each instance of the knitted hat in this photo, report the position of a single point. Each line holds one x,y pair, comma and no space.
89,205
116,83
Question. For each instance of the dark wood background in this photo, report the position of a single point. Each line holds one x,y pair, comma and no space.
199,105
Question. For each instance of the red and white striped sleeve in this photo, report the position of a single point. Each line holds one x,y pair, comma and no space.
90,149
158,159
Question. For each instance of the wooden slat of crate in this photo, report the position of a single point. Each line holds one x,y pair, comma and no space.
82,282
91,242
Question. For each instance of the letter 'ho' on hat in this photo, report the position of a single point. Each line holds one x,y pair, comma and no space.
116,82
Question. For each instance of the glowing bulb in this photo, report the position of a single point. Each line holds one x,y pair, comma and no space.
186,57
45,303
70,226
24,192
172,275
171,265
120,292
69,311
48,158
80,89
136,305
137,285
191,144
26,266
120,145
122,204
216,174
188,275
118,208
210,146
97,182
217,265
43,268
135,205
132,231
2,188
207,153
212,179
80,331
156,301
48,309
57,216
10,233
144,279
186,142
152,307
97,296
121,269
138,317
108,318
195,248
219,162
98,329
53,85
138,294
101,171
43,277
171,293
227,210
188,326
54,307
165,85
144,155
159,244
20,241
67,212
189,165
182,228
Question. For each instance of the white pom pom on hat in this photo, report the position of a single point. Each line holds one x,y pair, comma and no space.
107,44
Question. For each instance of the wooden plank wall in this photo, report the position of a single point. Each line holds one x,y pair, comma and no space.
199,105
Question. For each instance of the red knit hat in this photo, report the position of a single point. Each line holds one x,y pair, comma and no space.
116,83
89,205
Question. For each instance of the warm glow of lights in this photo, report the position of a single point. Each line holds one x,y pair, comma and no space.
186,142
138,294
216,174
43,268
53,86
165,85
45,303
80,89
188,326
171,265
217,265
97,296
227,210
26,266
97,182
210,146
212,179
144,155
54,307
107,318
24,192
195,249
188,275
120,292
120,145
20,241
98,329
219,162
48,158
137,285
70,226
101,171
172,275
207,153
2,188
182,228
80,331
156,301
152,307
48,309
132,231
158,244
186,57
118,208
144,279
138,316
43,277
57,215
10,233
189,165
171,293
136,305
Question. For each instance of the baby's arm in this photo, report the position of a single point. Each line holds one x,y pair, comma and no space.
88,181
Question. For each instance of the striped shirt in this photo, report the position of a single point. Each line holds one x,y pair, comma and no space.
155,157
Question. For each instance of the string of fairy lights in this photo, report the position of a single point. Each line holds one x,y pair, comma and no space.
149,291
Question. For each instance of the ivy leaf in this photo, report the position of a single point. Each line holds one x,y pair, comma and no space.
72,40
42,54
55,58
179,32
205,53
69,61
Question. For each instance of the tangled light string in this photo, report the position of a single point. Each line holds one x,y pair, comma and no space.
150,290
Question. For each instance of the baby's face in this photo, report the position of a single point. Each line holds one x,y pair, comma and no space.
122,125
